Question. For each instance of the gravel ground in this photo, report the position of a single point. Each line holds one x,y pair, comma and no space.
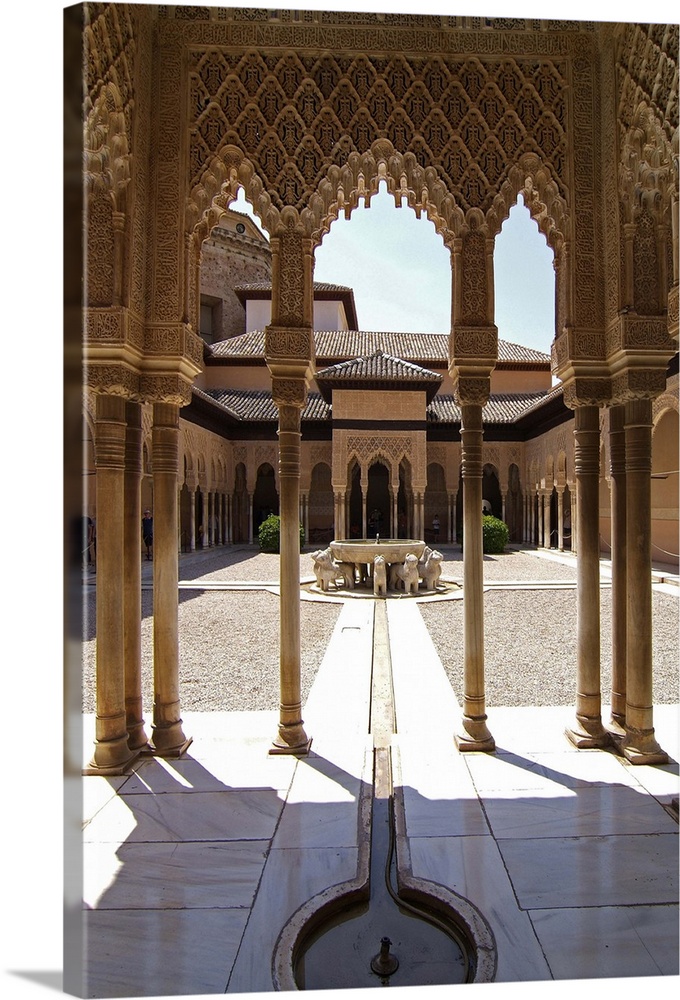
229,640
530,646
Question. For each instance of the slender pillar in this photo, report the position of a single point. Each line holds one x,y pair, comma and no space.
305,514
574,526
452,517
587,730
639,745
192,519
503,496
363,513
617,451
112,753
132,594
474,734
168,739
560,519
291,736
250,519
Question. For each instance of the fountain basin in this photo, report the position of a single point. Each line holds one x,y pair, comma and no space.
362,551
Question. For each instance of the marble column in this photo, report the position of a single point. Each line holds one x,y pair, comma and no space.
132,595
574,526
168,739
192,518
250,519
617,452
291,737
473,734
560,519
112,753
587,729
639,744
452,517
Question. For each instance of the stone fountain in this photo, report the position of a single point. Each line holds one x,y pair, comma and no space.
377,564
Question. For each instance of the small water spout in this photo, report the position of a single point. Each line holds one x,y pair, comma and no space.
384,963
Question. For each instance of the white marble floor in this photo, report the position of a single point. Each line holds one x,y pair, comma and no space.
192,867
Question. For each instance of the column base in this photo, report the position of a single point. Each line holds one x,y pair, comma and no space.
167,740
474,736
110,767
588,734
137,738
616,726
150,750
291,740
639,746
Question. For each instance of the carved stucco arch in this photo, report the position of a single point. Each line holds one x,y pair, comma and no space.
342,187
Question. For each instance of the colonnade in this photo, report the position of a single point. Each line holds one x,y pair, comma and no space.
120,733
217,527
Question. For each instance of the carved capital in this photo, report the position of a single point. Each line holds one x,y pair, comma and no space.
471,390
165,387
289,392
638,383
113,378
587,391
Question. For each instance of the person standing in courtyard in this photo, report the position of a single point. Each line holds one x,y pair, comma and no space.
435,527
147,532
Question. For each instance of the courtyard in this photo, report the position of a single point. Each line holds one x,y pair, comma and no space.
194,866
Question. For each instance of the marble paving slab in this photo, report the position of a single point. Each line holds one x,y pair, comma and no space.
593,871
172,876
608,941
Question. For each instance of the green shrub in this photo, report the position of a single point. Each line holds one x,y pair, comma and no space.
495,534
269,534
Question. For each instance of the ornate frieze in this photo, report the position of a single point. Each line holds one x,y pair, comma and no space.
285,342
474,343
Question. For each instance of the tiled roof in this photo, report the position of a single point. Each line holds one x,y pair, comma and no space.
331,345
502,408
258,405
378,366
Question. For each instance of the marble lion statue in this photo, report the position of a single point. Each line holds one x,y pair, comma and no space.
326,570
405,575
379,576
431,569
346,571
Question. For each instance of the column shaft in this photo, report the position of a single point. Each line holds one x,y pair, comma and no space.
168,738
587,730
475,734
112,753
132,594
617,451
639,745
291,736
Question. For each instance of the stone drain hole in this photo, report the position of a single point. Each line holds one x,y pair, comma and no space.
373,936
